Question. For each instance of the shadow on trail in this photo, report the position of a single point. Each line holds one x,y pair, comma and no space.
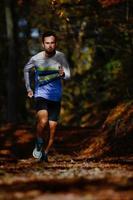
17,141
65,185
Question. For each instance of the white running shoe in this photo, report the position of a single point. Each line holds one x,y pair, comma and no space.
37,153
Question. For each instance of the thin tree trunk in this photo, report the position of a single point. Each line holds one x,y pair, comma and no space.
12,67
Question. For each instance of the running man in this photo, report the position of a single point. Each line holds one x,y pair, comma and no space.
50,67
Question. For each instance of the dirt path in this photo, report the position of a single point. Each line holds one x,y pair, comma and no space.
66,178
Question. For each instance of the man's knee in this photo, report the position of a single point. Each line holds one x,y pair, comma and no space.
42,122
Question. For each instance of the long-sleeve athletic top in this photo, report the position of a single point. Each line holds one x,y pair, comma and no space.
47,80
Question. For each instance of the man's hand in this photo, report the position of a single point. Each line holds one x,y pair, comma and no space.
30,94
61,72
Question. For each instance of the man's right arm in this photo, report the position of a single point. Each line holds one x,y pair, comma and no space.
27,69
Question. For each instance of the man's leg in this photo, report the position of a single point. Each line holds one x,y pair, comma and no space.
52,129
53,111
42,122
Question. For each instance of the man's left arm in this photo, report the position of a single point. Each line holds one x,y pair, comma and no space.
64,69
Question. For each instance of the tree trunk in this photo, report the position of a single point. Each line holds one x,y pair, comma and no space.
11,64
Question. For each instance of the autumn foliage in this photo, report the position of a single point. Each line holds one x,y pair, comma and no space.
106,3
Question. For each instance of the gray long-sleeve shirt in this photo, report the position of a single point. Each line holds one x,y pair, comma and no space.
47,81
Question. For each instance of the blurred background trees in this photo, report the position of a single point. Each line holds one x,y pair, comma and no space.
97,38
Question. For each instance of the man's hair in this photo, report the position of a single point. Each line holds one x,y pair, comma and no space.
47,34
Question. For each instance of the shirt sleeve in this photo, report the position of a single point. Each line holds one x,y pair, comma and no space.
27,69
66,67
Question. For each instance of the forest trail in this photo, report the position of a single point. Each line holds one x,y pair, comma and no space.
67,176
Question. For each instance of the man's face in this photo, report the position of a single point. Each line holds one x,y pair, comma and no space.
49,44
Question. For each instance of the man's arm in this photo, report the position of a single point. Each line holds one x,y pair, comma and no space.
27,69
64,70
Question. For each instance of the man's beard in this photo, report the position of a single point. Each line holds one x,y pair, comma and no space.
50,52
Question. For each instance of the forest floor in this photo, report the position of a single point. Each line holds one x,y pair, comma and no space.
67,175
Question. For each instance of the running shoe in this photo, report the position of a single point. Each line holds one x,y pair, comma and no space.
37,151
